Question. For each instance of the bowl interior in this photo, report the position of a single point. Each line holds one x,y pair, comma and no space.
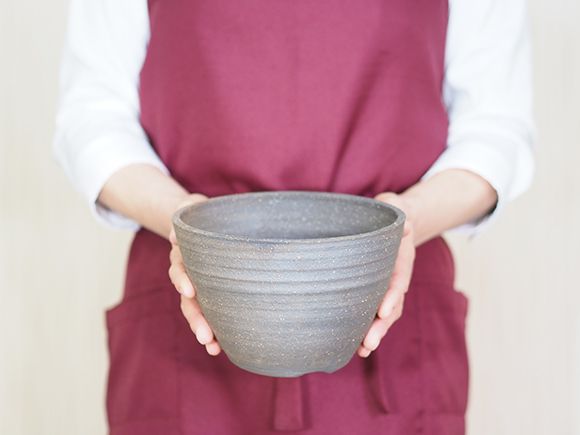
289,215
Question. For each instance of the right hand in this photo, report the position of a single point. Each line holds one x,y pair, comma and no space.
189,305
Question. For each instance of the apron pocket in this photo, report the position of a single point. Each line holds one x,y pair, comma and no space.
142,382
442,315
398,364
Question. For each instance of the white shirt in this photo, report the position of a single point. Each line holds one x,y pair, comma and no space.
487,92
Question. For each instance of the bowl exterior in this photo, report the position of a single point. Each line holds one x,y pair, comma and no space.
286,309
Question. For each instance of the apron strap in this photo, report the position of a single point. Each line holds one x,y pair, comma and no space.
288,404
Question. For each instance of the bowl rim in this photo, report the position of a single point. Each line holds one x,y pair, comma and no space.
400,218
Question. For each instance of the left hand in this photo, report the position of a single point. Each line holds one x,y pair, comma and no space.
391,307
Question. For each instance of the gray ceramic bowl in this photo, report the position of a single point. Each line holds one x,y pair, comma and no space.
289,281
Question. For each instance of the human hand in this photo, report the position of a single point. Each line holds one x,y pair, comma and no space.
189,305
391,307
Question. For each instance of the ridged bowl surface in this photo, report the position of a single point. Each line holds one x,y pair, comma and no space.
289,281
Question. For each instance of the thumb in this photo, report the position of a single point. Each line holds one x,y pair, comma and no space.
192,198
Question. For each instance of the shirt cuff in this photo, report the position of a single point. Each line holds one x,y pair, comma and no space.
508,168
99,160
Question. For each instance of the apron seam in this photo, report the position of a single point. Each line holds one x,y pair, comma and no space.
420,427
178,371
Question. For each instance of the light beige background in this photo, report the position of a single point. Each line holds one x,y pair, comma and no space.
59,270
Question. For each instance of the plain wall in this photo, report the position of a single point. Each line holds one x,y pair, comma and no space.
59,270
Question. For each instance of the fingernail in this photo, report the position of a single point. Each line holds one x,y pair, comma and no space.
364,353
372,343
213,350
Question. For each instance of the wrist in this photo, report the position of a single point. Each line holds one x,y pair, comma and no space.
447,200
145,194
160,209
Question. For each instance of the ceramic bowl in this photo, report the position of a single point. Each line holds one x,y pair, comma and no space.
289,281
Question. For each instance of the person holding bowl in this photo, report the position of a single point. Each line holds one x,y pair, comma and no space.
423,105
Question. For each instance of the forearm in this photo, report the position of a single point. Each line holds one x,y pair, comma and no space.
447,200
144,194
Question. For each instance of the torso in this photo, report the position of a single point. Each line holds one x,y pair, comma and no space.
331,95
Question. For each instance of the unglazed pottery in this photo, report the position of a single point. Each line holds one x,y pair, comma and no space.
289,281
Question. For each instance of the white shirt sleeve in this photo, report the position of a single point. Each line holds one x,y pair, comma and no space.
98,130
488,93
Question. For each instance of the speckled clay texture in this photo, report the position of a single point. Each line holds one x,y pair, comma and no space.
290,280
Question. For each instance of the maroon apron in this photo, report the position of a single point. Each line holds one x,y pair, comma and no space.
325,95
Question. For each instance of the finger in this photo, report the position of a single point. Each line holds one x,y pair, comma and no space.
389,302
363,352
389,198
178,275
192,312
375,334
380,327
181,281
175,255
191,199
405,258
401,277
173,237
213,348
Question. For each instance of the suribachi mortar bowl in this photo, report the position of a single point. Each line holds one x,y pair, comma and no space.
289,281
